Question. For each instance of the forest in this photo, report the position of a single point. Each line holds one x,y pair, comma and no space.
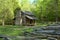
44,10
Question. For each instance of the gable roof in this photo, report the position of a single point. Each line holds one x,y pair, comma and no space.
27,13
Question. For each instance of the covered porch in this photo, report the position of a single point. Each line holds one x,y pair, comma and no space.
30,20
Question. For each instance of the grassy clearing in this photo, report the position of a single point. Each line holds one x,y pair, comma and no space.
11,30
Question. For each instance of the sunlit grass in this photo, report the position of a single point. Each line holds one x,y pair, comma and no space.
13,30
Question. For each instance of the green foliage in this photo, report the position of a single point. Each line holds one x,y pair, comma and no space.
7,8
46,10
25,5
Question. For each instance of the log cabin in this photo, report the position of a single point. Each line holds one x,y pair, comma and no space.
24,18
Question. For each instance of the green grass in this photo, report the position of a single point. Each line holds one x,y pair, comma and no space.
12,30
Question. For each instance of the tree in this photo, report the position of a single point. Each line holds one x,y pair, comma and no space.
7,9
56,5
25,5
47,8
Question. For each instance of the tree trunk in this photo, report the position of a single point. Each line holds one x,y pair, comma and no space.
56,5
3,22
42,15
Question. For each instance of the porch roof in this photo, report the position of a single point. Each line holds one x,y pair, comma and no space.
31,17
